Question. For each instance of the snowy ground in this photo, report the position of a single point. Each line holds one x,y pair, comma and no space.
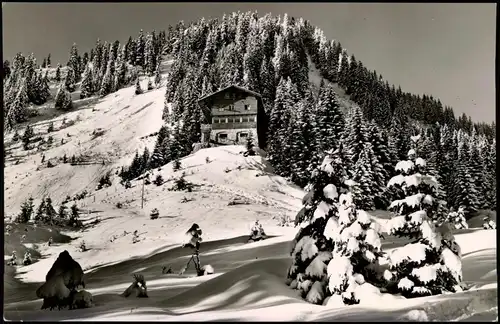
249,280
249,285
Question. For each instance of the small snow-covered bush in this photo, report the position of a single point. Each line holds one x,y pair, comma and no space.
458,219
83,247
488,223
81,299
155,213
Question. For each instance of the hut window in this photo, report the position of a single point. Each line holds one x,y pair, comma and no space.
223,136
247,107
231,107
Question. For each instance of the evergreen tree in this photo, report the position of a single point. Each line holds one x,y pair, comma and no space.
464,193
58,73
357,251
313,244
139,50
107,82
28,134
74,64
157,76
85,59
44,63
63,98
87,83
157,157
355,136
138,89
50,212
432,250
26,213
302,141
6,69
40,212
62,212
364,175
149,55
18,110
70,82
49,62
329,120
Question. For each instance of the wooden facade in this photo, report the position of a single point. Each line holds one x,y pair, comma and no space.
231,115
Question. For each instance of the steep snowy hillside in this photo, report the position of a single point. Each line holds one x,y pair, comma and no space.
107,132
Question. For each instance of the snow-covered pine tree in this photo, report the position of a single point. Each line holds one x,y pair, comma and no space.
74,63
457,218
139,49
475,168
149,53
58,73
464,193
40,212
364,174
344,69
157,158
138,89
490,173
431,264
87,83
63,98
292,98
313,244
355,136
121,70
18,111
26,213
70,82
302,141
379,140
107,81
356,253
276,123
157,76
330,122
44,88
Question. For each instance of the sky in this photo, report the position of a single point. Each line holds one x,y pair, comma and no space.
445,50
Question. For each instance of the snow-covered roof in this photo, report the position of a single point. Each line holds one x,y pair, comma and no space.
227,88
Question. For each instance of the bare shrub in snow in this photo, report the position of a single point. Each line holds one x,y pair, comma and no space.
27,258
312,246
137,288
431,264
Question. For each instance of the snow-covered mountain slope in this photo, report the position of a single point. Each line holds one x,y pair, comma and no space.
125,119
